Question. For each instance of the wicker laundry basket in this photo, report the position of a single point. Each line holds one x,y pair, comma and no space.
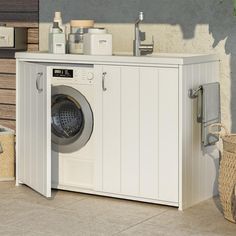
227,175
7,154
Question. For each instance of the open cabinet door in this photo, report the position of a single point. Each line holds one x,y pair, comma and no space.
33,143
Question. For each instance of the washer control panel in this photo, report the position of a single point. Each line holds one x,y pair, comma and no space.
80,75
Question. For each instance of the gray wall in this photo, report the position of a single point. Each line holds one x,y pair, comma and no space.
217,15
186,13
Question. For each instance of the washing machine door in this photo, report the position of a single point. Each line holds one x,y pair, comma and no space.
71,119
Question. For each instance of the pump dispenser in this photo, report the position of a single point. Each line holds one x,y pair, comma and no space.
58,18
57,39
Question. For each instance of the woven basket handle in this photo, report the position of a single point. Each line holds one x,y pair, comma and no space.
223,130
1,148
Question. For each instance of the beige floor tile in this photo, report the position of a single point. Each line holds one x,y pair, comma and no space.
11,231
58,223
116,210
5,185
15,211
33,233
58,199
203,218
157,230
25,212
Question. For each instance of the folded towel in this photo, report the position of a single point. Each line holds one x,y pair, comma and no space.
210,100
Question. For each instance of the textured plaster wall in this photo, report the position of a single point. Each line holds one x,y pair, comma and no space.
198,27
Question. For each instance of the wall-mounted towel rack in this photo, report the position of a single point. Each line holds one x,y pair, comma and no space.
193,93
208,109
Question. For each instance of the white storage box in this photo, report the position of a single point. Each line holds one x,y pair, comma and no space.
6,37
97,42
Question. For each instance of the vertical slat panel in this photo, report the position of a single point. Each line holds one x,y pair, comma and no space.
184,138
197,137
27,123
130,130
44,120
111,122
33,125
168,134
149,132
98,131
196,133
34,147
188,125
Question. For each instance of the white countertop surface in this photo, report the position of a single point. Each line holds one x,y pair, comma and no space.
119,58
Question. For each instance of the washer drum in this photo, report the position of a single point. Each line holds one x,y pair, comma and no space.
71,119
67,118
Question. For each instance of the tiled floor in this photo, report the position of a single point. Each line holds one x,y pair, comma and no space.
24,212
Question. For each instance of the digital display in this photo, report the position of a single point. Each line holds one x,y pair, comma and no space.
62,73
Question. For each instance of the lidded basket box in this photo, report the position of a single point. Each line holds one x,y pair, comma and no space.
7,154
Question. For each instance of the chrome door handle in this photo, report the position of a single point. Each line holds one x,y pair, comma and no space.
103,81
39,76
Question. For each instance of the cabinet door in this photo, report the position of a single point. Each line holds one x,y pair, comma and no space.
33,127
140,132
121,130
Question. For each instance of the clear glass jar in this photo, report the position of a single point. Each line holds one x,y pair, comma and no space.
76,41
76,37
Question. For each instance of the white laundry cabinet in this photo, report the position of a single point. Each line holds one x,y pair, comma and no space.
149,148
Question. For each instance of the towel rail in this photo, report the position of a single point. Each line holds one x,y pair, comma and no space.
193,93
208,109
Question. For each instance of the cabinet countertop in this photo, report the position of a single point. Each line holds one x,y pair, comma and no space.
171,59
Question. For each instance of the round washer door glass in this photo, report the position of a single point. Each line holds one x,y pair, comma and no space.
71,120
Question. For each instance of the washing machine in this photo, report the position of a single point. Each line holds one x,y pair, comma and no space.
73,122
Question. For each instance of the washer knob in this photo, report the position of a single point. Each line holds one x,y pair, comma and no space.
90,75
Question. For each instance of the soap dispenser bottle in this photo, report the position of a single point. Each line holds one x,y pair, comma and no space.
58,18
57,40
